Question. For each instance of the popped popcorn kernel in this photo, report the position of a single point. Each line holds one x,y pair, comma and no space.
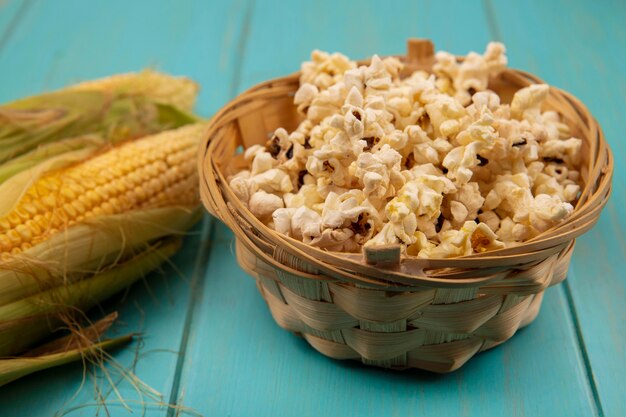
437,163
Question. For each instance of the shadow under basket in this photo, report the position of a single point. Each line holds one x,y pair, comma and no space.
381,307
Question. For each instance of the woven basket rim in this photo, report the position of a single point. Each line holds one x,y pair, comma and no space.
411,270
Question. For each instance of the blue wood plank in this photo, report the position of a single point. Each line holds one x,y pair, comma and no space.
52,46
155,308
11,13
355,28
240,363
582,51
83,41
252,367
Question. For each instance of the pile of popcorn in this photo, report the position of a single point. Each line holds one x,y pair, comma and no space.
433,162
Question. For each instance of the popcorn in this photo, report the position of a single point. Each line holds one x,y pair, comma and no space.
324,69
436,163
473,73
304,96
547,210
527,102
445,114
379,172
263,204
471,238
465,203
273,180
511,231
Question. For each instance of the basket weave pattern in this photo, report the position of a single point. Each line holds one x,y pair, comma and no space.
378,307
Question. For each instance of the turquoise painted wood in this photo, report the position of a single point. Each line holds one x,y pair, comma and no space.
592,67
11,13
209,342
86,41
243,364
273,360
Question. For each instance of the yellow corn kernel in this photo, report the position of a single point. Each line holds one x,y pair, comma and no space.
150,172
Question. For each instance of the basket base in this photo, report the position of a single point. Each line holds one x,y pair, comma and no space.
407,348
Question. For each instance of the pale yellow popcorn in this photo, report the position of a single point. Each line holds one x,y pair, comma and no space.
304,97
550,127
473,73
306,224
526,103
566,150
565,189
418,203
460,160
273,181
374,160
282,220
326,103
445,114
512,194
340,210
491,219
425,150
485,100
242,186
307,196
340,240
546,211
421,243
379,172
471,238
465,203
377,78
354,78
263,204
402,104
386,236
332,159
324,69
261,163
511,231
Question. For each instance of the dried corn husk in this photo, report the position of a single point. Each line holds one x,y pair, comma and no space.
27,320
81,254
70,348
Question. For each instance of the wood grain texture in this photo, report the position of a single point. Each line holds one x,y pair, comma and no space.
582,51
11,12
51,46
236,360
244,353
155,308
279,42
240,363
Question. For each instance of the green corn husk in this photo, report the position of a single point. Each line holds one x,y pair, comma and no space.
30,319
48,151
113,109
52,284
85,247
87,344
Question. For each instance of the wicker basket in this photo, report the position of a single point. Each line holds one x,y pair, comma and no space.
380,307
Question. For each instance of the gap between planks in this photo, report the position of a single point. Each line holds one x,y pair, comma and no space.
13,23
496,34
197,282
241,48
591,380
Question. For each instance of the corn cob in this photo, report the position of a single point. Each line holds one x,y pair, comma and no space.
151,172
115,108
178,92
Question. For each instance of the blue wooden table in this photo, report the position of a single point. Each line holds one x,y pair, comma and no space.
209,346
